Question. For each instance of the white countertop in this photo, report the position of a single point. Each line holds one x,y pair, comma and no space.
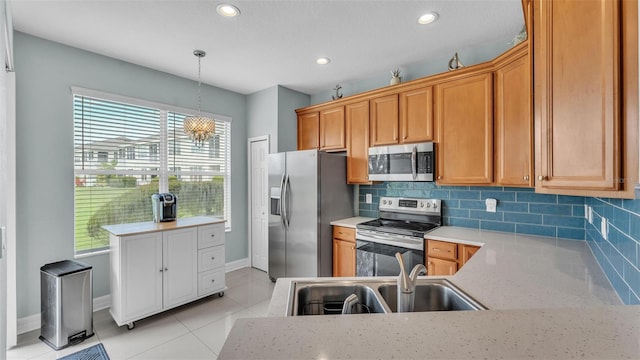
351,222
548,298
150,226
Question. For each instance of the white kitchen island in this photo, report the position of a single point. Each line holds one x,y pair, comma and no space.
548,299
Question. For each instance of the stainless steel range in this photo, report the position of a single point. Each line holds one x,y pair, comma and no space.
401,228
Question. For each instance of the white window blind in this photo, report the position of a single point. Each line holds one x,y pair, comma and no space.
126,149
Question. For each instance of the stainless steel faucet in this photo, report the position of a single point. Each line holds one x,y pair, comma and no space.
349,303
407,285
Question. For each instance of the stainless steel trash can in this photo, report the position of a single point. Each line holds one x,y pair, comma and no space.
66,303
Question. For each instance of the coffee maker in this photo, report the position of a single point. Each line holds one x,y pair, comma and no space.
165,207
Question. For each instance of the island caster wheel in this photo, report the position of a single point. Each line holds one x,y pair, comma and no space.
131,326
221,294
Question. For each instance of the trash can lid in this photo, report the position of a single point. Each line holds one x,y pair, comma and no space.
65,267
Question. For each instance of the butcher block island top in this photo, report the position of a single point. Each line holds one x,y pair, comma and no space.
150,226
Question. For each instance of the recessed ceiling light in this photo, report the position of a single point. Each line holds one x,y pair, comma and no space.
323,61
428,18
227,10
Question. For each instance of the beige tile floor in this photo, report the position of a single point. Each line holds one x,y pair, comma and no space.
193,331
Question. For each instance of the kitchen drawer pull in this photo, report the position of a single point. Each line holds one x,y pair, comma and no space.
213,235
213,258
213,280
526,178
435,249
161,270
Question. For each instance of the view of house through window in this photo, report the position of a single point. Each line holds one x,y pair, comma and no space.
125,150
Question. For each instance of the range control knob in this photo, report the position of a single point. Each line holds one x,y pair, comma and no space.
384,202
435,205
421,204
428,205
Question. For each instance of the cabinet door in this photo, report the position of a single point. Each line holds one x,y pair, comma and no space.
308,131
441,267
577,89
416,115
466,252
141,273
180,254
513,122
344,258
464,122
384,120
332,129
358,143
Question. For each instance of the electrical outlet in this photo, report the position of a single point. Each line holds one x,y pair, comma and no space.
586,211
604,227
491,204
590,215
368,198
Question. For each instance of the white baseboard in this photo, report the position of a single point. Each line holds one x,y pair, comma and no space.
32,322
238,264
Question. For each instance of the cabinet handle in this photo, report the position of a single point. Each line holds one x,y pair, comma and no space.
213,258
161,270
165,269
440,177
525,178
213,280
435,249
404,137
542,178
213,235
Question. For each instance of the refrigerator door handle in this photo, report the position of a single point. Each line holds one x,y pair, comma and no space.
414,155
281,200
285,202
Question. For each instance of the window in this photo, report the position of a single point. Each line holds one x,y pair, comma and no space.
151,154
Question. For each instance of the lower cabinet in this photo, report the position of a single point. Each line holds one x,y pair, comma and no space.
344,251
159,270
446,258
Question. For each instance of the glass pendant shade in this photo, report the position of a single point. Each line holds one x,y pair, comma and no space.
199,128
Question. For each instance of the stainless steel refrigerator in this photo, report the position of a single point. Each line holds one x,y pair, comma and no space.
308,190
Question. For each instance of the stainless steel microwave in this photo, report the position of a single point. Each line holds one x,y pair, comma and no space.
410,162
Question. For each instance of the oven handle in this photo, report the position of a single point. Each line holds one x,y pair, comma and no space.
414,170
366,236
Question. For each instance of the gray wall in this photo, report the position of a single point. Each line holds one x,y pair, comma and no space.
45,71
272,112
433,65
288,101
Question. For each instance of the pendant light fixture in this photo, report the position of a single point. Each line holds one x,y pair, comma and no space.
199,128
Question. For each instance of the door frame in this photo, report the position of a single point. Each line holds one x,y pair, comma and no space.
250,195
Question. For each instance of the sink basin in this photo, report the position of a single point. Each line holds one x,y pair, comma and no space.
432,297
326,297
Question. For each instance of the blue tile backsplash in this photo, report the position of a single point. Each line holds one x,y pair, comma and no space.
521,210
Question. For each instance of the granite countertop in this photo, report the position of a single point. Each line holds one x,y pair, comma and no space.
351,222
548,298
150,226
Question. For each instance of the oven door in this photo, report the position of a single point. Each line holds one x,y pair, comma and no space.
375,259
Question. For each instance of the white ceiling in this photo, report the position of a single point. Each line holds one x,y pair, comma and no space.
272,42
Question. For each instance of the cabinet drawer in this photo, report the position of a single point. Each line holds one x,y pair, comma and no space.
210,235
344,233
442,249
211,281
210,258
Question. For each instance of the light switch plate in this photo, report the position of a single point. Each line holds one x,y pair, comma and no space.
368,198
604,226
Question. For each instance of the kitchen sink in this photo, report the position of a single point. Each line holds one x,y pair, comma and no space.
326,297
432,297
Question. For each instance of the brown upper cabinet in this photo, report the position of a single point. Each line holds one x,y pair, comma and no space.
513,126
586,129
308,130
464,130
416,115
357,117
332,124
384,120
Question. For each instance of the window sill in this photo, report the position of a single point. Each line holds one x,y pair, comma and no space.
91,254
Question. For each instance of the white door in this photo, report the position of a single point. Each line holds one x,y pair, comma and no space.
180,254
258,184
